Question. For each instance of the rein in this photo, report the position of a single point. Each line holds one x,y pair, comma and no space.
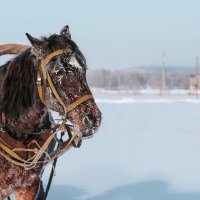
39,151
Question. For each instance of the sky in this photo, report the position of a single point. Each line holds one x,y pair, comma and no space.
112,34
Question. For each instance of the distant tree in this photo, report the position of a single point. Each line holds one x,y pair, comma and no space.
136,79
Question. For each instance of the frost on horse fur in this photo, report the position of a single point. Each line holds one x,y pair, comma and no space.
25,117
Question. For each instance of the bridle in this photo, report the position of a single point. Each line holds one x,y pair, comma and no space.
30,163
44,75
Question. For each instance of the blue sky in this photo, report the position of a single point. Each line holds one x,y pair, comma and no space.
111,33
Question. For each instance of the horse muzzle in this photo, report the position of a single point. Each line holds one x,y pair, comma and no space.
86,117
91,124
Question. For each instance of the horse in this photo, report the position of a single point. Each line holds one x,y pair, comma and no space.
49,75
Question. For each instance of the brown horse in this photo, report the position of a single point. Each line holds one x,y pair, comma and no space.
60,68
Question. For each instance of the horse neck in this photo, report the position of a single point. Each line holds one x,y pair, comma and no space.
32,120
3,69
22,107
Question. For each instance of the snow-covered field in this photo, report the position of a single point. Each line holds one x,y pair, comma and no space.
148,147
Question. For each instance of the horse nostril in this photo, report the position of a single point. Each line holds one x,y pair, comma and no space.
91,120
90,117
88,120
91,123
98,122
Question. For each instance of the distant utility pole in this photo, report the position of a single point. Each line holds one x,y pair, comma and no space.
163,75
197,76
119,82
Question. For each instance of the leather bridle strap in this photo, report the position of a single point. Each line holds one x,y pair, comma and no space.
47,77
45,60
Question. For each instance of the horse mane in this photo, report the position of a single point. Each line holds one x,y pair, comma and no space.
18,86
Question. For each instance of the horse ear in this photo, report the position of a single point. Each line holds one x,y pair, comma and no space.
33,41
65,31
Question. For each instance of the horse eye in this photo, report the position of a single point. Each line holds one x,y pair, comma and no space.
65,59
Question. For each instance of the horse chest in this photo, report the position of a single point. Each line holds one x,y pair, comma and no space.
13,177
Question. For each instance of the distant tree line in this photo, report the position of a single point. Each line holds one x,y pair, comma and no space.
136,79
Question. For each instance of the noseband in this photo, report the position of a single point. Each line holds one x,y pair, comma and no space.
44,75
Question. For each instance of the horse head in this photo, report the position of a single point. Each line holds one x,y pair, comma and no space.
61,60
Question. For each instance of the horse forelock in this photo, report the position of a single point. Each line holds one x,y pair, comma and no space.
18,86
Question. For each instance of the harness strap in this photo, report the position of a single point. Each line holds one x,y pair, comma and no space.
11,152
12,157
66,109
52,171
49,57
40,88
47,77
21,162
56,93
